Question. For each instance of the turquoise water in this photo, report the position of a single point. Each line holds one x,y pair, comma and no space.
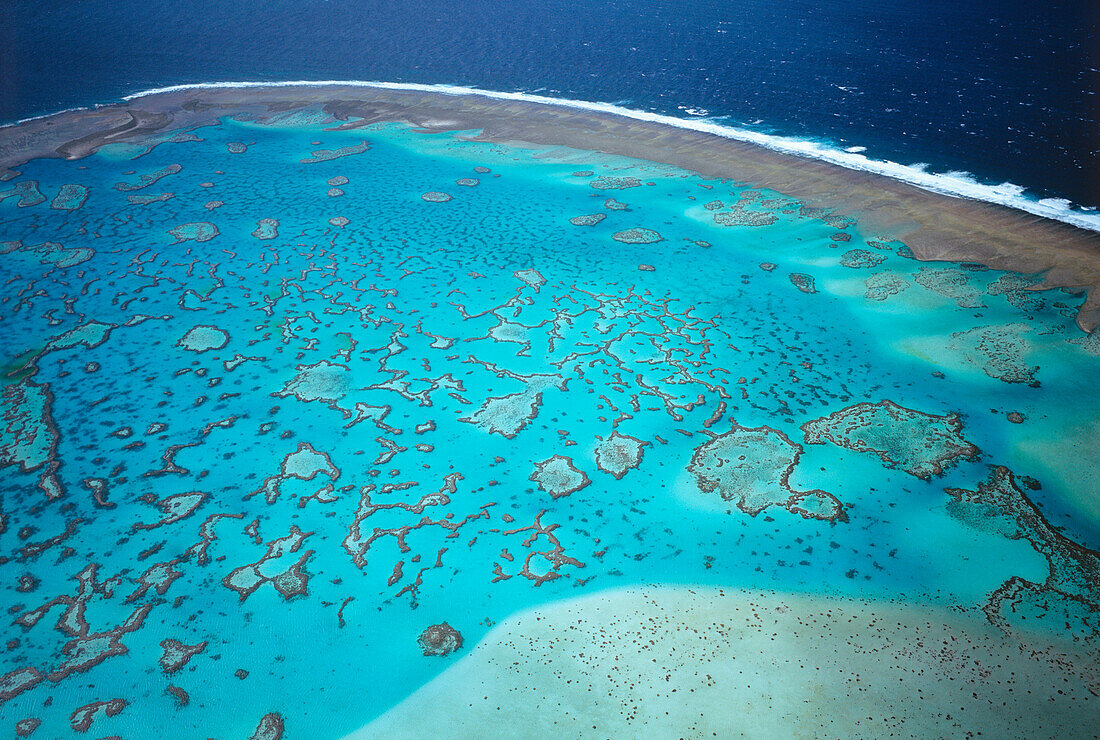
345,389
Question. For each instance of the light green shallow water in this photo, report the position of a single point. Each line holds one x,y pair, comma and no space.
296,412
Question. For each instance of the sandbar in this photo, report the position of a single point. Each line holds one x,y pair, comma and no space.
694,662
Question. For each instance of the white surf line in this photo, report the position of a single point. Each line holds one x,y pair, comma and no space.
63,111
956,184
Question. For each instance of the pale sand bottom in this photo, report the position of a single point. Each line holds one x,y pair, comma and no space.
679,662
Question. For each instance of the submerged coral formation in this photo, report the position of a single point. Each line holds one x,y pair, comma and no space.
752,468
1071,591
920,444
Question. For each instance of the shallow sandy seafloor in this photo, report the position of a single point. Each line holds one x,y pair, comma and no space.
298,383
703,662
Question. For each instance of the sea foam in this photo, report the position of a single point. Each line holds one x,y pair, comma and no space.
958,184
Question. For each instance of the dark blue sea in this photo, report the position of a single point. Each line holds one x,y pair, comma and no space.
1004,90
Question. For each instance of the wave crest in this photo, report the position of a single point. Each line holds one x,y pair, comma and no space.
956,184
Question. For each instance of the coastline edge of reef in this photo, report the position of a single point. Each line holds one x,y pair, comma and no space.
936,227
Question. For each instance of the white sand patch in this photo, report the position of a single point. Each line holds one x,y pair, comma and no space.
680,662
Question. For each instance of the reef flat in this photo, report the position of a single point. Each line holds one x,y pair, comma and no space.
934,226
303,395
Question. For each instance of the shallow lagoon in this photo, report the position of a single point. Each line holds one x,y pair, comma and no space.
277,397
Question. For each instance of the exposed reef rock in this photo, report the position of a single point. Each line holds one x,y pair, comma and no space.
439,639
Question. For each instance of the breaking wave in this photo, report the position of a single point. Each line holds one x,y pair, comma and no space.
957,184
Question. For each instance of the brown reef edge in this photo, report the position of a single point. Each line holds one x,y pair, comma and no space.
934,226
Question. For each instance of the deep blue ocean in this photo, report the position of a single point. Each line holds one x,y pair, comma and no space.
1004,90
